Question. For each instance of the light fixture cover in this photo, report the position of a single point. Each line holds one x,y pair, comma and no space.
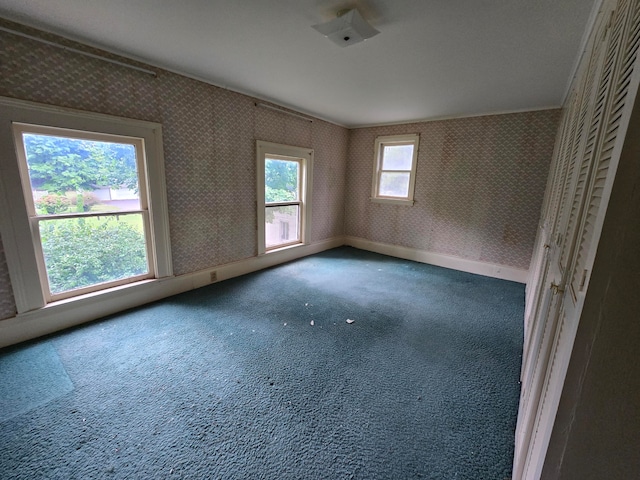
348,29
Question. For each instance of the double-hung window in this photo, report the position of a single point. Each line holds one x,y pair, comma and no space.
284,183
394,169
85,201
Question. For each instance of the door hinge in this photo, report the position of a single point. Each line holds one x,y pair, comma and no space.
556,288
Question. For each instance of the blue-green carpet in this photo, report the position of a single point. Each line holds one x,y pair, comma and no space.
232,381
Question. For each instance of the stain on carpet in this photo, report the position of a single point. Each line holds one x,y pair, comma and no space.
31,377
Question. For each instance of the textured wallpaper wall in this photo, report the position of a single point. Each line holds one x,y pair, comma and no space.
209,142
7,303
479,187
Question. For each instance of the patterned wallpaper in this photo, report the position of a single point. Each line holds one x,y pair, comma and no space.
7,303
209,143
479,187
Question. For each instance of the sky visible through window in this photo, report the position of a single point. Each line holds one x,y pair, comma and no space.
396,170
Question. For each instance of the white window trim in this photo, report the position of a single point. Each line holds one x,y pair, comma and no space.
377,164
17,238
305,155
138,143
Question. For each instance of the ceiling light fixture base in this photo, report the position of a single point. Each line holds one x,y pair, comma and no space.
347,29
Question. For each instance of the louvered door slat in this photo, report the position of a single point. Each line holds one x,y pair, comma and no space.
561,164
581,165
561,182
611,59
630,43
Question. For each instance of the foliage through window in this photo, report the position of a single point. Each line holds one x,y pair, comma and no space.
283,190
85,197
282,202
83,204
395,169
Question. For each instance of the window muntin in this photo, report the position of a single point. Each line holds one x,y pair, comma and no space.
85,194
394,169
284,181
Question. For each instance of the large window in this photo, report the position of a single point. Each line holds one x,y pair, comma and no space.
283,192
87,206
394,169
85,200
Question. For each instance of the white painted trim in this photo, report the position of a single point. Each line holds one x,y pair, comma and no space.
16,234
260,201
378,160
158,205
456,263
304,156
20,251
253,264
72,312
69,313
45,108
392,201
307,203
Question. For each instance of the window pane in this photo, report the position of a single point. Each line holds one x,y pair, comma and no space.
397,157
394,184
282,225
70,175
281,180
80,252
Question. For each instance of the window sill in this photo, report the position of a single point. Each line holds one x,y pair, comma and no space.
74,311
285,247
393,201
108,295
106,292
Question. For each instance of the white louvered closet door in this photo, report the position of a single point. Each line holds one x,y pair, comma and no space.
539,258
608,89
538,350
558,192
562,320
535,329
614,132
540,262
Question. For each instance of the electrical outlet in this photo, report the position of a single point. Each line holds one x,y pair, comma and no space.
213,276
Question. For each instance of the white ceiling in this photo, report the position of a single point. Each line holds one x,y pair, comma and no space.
432,58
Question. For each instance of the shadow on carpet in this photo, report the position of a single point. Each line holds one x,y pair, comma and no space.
262,377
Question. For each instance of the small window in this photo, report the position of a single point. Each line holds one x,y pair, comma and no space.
394,172
283,196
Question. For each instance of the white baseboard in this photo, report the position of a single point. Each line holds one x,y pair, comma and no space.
69,313
253,264
471,266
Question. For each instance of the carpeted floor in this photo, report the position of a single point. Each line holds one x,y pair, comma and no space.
262,377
